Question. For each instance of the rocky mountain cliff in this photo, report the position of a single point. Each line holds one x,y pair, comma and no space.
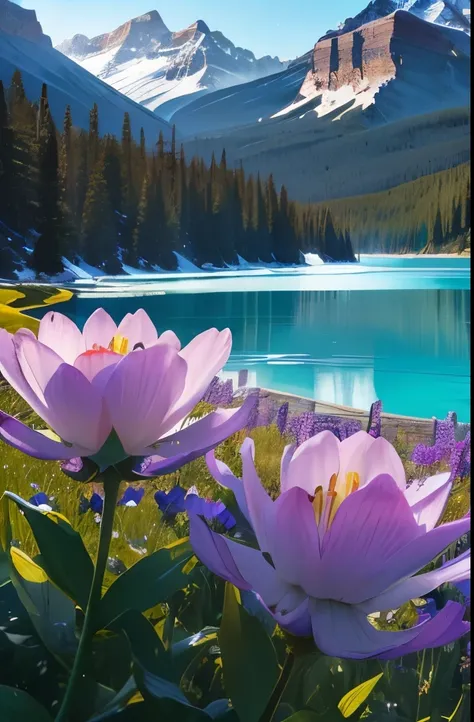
24,47
452,13
23,23
163,69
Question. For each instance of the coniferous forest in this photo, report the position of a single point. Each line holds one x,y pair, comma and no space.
111,201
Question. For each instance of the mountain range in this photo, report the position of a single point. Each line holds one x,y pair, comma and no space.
25,47
162,69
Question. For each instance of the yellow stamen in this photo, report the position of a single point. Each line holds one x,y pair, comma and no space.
318,503
119,344
352,482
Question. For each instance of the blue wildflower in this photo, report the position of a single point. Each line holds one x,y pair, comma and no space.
171,503
131,497
42,501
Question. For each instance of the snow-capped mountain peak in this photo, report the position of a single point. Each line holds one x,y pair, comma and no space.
163,69
452,13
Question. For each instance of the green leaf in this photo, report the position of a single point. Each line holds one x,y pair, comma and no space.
357,696
16,705
185,651
249,660
303,716
152,580
52,613
63,555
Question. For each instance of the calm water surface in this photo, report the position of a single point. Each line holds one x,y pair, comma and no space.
403,334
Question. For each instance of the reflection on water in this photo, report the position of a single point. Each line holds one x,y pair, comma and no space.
408,348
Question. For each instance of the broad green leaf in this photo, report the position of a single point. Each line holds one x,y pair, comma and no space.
153,672
16,706
52,613
186,650
27,568
64,557
357,696
303,716
249,660
150,581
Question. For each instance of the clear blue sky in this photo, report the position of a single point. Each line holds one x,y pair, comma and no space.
267,27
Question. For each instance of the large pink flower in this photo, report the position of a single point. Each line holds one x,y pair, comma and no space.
112,392
344,540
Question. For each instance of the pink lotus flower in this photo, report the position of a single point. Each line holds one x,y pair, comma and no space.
344,540
111,392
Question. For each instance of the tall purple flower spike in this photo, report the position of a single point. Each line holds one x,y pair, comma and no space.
444,443
131,391
345,539
375,420
282,417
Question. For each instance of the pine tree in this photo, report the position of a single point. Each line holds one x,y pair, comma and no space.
263,251
47,252
23,122
99,235
130,201
93,151
9,190
67,186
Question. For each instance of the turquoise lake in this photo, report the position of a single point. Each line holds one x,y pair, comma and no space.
397,329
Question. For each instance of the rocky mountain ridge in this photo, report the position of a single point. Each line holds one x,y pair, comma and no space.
158,67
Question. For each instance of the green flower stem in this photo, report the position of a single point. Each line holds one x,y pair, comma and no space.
279,688
111,488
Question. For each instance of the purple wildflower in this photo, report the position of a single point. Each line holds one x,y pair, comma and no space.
266,412
209,509
459,461
219,393
282,417
444,443
375,420
252,421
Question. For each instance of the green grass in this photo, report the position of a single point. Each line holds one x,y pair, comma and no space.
18,472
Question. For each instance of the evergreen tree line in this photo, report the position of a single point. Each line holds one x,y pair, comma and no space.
111,201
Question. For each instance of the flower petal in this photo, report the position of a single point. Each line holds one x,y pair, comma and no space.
416,554
212,550
431,505
369,527
99,329
443,629
294,541
38,364
11,371
352,456
313,463
341,630
259,503
296,622
91,363
139,393
206,433
221,473
205,356
138,328
286,458
415,587
34,443
76,410
381,458
61,335
171,339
